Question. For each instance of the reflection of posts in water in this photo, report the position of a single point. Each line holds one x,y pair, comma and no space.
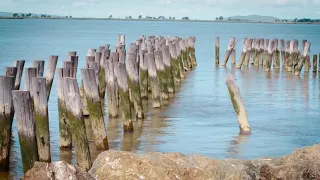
131,141
235,147
238,105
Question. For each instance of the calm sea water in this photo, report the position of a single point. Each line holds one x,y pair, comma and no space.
283,109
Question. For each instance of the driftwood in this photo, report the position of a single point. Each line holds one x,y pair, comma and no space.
20,65
51,69
228,52
153,79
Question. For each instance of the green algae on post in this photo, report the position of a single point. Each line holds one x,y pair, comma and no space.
302,58
40,109
143,73
192,51
228,52
51,69
174,64
19,64
276,54
154,84
163,82
179,54
283,53
314,63
6,118
238,105
168,69
26,128
112,87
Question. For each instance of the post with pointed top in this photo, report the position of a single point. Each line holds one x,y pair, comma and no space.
6,118
302,58
40,104
124,102
20,65
283,53
243,53
77,125
112,87
168,69
134,85
51,69
29,73
314,64
238,105
39,65
26,128
95,110
163,82
228,52
143,73
64,124
153,79
217,50
268,56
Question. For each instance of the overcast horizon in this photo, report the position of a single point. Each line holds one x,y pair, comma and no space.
195,9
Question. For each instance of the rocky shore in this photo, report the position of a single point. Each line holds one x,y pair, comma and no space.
302,164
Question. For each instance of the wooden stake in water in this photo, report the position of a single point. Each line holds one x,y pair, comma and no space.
6,118
163,83
253,51
39,65
143,74
268,56
302,58
217,48
314,64
261,52
228,52
154,84
287,54
247,55
283,53
26,128
95,110
276,54
112,87
243,53
29,73
307,62
40,103
64,124
174,64
11,71
51,69
179,54
168,69
192,50
233,54
290,56
258,52
77,125
296,54
20,65
238,105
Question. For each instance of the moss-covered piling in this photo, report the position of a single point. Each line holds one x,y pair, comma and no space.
112,87
174,64
163,82
314,64
168,69
143,73
302,58
154,84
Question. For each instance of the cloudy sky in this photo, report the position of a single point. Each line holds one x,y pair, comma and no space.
195,9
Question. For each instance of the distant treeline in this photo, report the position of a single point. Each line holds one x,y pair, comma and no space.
27,15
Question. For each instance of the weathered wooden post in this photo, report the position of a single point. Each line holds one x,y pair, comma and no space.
74,68
258,52
290,57
261,52
153,79
217,48
283,53
95,110
192,50
143,73
168,69
20,65
77,125
29,73
295,56
26,128
72,53
179,54
163,83
314,64
39,65
247,55
51,69
6,118
287,53
112,87
307,62
124,103
238,105
91,52
228,52
233,54
319,62
64,124
253,52
276,54
268,56
121,56
243,53
134,85
38,94
11,71
184,55
174,64
302,58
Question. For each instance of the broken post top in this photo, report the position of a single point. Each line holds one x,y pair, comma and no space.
232,43
143,60
91,52
306,49
72,53
152,70
122,77
166,56
72,96
38,93
132,67
173,50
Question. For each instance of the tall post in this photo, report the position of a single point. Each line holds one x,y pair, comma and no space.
253,51
217,48
39,65
247,55
233,55
174,64
26,128
40,104
112,87
20,65
163,84
268,56
168,69
258,52
307,62
276,54
143,73
51,69
228,52
290,57
152,72
29,73
6,118
179,54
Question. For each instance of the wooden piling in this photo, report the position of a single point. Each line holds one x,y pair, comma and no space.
72,53
124,103
121,56
74,69
38,94
228,52
95,110
134,85
6,118
179,54
11,71
283,53
77,125
238,105
261,58
233,55
302,58
276,54
112,87
26,128
20,65
295,55
174,64
290,57
64,124
287,54
91,52
258,52
253,51
163,83
314,64
307,63
29,73
217,48
143,73
268,56
51,69
192,50
152,72
243,54
39,65
184,55
168,69
247,55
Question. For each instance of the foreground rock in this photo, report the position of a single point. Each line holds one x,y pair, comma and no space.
56,171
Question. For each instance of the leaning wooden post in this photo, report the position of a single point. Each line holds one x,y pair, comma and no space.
217,48
95,110
283,53
174,64
163,83
253,51
261,52
6,118
247,57
11,71
40,104
39,64
302,58
238,105
143,73
64,124
243,54
228,52
233,54
77,125
153,79
168,69
20,65
307,62
268,56
29,73
51,69
124,102
26,128
290,57
314,64
112,87
276,54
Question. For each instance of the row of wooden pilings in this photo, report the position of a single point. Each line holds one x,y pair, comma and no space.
155,65
266,52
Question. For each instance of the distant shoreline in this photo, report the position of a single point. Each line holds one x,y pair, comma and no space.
176,20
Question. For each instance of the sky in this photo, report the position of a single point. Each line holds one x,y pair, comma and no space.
195,9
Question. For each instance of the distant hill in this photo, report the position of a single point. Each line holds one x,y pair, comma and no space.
253,18
6,14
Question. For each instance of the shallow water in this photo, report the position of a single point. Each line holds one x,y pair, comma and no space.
283,110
